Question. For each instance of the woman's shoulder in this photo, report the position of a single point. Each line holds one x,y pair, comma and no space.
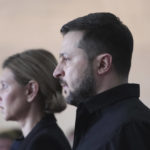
50,138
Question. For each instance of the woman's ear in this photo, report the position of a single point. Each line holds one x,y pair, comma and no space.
32,89
103,63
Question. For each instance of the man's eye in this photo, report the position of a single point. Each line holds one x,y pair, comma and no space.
66,59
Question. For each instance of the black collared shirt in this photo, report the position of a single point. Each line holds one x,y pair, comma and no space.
113,120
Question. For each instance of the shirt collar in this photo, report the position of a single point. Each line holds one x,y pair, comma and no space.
110,96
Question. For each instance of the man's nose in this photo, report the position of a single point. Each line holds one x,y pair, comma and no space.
58,72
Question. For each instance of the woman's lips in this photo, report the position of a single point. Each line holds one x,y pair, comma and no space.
1,107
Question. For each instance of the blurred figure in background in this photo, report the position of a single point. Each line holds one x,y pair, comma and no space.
30,95
7,138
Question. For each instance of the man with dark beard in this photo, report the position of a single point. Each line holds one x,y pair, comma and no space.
94,66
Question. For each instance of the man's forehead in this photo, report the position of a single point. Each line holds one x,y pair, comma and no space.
72,36
70,42
75,33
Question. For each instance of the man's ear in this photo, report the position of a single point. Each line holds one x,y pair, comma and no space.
103,63
32,89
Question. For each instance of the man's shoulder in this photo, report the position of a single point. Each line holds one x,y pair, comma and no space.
115,120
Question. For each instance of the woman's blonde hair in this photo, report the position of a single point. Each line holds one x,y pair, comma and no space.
38,65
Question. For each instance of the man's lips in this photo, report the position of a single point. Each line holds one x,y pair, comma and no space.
63,84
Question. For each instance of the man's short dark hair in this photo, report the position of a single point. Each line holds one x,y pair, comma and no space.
104,33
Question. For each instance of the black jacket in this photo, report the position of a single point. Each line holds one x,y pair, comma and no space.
113,120
46,135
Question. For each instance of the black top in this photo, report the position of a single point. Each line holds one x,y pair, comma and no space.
113,120
46,135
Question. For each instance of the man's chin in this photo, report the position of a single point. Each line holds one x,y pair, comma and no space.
67,99
72,99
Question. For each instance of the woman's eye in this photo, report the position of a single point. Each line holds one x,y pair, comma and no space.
3,85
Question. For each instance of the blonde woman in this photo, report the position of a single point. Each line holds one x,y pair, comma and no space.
30,96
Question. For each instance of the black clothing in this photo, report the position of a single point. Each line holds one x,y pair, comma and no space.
113,120
46,135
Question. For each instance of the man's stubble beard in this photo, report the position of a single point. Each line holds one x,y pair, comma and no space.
85,90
